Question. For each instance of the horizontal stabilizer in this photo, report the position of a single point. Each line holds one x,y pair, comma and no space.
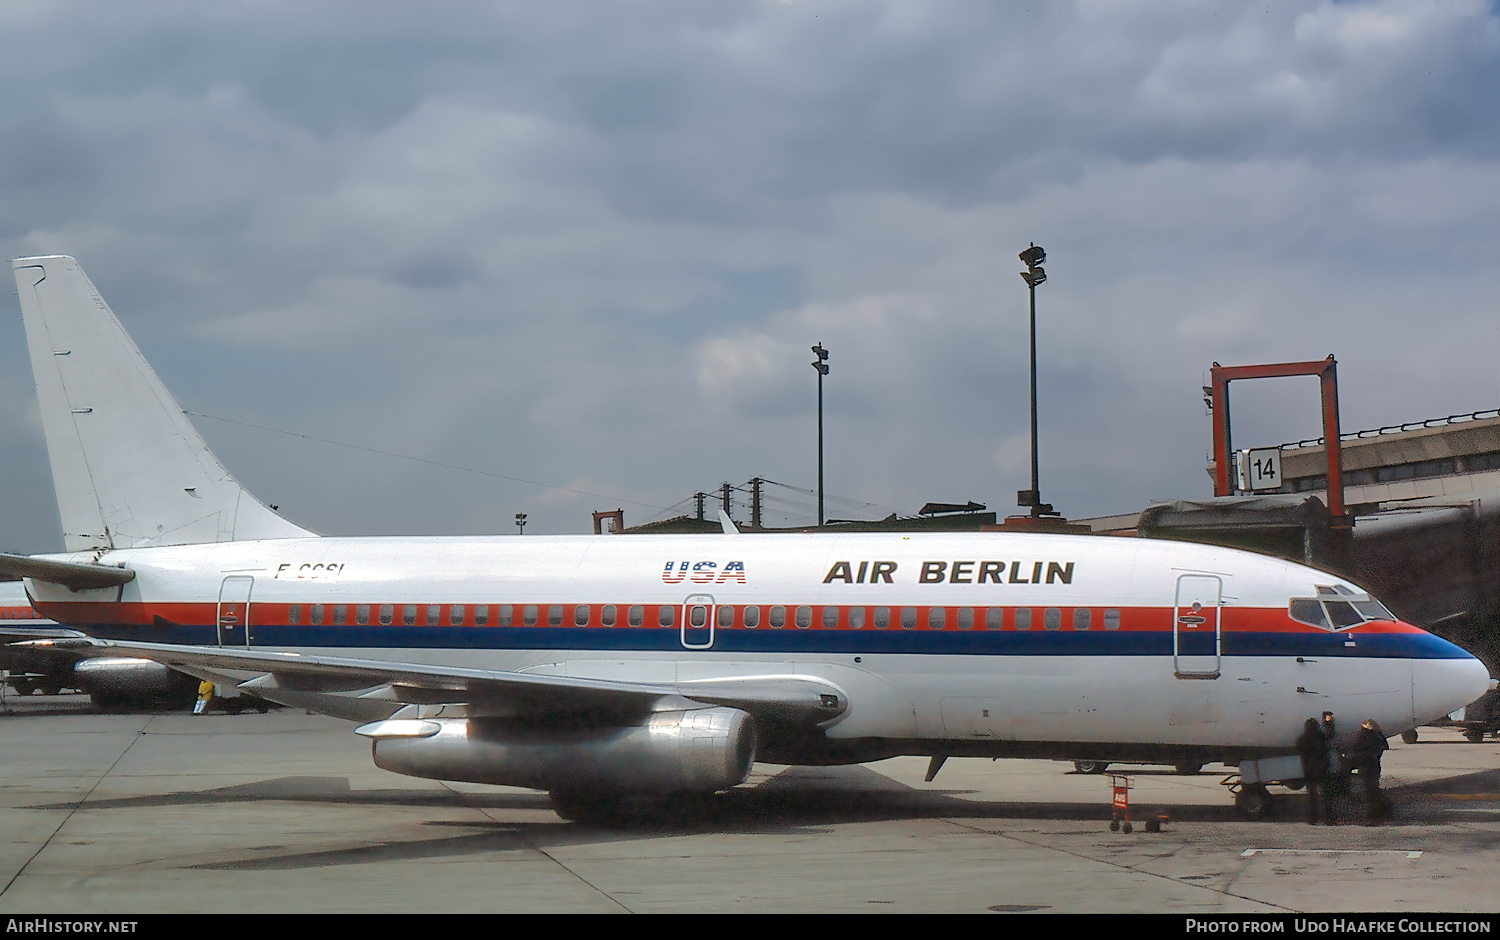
70,574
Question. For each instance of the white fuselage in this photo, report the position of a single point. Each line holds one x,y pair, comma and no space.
986,641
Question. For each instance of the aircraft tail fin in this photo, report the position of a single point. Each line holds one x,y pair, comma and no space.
129,468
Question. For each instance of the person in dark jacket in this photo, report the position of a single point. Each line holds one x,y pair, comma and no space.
1312,746
1336,779
1369,745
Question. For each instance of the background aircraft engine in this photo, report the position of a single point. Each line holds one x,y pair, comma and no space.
697,750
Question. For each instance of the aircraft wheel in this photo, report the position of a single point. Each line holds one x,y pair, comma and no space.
1114,825
1474,736
25,688
1127,829
1253,802
1090,766
601,809
634,810
1409,737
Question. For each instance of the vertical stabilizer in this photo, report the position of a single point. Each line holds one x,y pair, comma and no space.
129,468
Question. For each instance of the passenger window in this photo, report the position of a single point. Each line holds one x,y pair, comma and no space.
882,618
698,616
664,615
434,614
1081,618
362,613
994,618
778,618
581,615
293,614
936,618
316,614
856,618
752,617
804,618
1052,618
1023,618
409,615
908,618
607,615
966,618
1111,619
726,615
456,615
340,613
507,614
554,615
481,615
387,611
528,615
830,618
637,615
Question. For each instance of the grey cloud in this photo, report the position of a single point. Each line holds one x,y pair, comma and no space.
503,235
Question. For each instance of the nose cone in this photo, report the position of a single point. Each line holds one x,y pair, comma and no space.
1443,685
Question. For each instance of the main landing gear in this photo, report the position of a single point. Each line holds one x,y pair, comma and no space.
633,810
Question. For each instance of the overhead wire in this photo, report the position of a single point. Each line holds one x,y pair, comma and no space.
434,463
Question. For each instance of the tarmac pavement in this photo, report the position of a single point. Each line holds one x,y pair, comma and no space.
284,812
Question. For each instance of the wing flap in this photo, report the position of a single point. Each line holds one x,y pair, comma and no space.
304,678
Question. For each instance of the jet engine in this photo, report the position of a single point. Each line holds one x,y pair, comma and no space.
691,750
118,680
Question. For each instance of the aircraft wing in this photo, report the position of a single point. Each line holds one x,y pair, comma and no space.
16,634
361,689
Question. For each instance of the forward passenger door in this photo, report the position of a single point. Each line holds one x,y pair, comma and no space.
1196,633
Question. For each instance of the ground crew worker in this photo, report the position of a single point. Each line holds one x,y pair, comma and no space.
1313,749
1369,745
205,694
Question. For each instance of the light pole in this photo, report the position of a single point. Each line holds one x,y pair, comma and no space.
521,523
1033,275
821,364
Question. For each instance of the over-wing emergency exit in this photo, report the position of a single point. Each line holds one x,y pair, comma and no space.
601,668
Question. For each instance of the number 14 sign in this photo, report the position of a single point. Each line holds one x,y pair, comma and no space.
1263,469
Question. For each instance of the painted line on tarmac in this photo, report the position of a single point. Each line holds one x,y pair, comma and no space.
1409,853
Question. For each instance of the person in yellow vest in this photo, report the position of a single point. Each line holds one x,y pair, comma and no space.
205,694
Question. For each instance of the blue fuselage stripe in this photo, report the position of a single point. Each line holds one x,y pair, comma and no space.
764,641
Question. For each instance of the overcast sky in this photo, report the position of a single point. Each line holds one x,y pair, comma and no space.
589,245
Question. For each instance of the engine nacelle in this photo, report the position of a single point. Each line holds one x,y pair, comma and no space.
701,750
118,675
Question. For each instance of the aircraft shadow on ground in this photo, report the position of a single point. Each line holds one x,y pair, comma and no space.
798,800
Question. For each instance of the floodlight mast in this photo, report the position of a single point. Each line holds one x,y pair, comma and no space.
1034,274
820,364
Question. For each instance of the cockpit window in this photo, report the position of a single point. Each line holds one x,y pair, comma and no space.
1337,608
1307,610
1342,614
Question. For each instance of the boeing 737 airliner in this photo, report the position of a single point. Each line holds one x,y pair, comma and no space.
601,668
